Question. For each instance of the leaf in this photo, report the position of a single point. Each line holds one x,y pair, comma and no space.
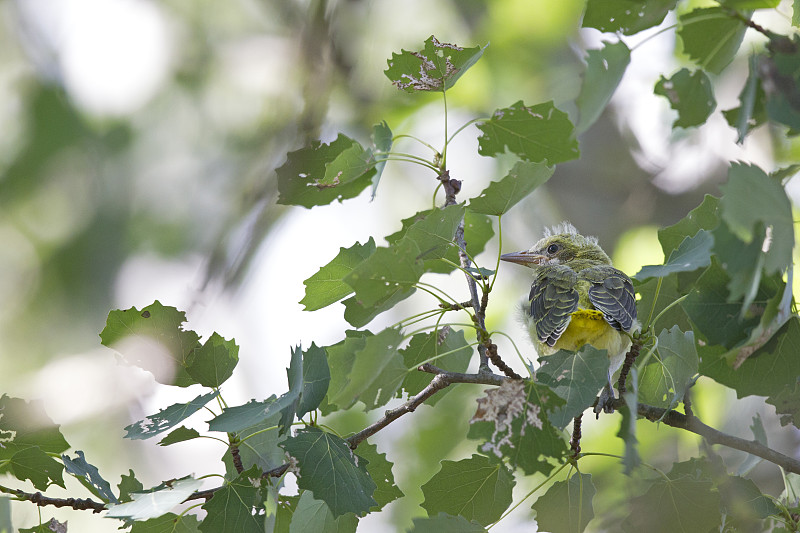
358,315
155,502
329,469
626,16
693,253
604,70
432,231
663,382
780,75
386,272
445,348
168,523
690,94
512,421
153,339
576,377
127,485
382,139
51,526
371,373
750,197
752,111
212,364
231,507
681,505
89,477
259,446
711,37
750,4
380,471
473,488
703,217
294,375
665,291
167,418
567,505
314,515
316,377
32,463
352,163
239,417
436,67
627,426
25,425
534,133
766,372
445,523
521,180
787,404
327,286
179,435
745,505
299,177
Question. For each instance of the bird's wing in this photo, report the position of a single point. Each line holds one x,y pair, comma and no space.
611,292
554,297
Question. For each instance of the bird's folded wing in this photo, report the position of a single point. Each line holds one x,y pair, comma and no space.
554,297
611,291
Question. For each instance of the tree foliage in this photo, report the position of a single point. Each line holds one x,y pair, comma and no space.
720,307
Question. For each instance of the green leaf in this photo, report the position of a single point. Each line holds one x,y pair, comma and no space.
316,377
315,515
534,133
752,111
604,70
436,67
787,404
212,364
474,488
328,469
50,526
445,523
665,291
576,377
326,286
432,231
513,423
382,139
259,445
750,4
386,272
239,417
168,523
155,502
300,178
167,418
627,425
127,485
294,375
663,381
751,197
153,339
180,434
711,37
705,216
358,315
796,13
779,71
693,253
567,505
445,348
371,372
690,94
5,515
26,425
89,476
679,505
231,507
626,16
500,196
766,372
352,163
380,471
32,463
745,505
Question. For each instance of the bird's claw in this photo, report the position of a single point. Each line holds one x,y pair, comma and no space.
605,403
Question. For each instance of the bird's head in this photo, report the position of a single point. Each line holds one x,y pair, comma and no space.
561,245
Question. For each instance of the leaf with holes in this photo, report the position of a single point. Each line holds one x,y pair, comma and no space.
436,67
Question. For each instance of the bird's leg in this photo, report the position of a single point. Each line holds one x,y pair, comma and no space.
606,401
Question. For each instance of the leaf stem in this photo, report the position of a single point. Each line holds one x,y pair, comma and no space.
531,493
405,135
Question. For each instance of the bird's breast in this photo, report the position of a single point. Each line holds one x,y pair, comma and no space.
588,326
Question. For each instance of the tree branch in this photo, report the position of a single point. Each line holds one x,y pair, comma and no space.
41,500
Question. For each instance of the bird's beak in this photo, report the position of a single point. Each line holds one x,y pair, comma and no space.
525,258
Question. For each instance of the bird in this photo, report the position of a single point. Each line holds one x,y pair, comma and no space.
577,297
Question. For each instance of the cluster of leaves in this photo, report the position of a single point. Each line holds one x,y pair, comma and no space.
722,297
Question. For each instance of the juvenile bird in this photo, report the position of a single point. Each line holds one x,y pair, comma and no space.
578,297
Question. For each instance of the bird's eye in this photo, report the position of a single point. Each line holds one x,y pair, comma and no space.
552,249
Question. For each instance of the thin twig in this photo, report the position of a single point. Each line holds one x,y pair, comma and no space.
41,500
575,441
630,357
494,357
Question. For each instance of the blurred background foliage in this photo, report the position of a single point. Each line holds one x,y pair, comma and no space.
136,163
